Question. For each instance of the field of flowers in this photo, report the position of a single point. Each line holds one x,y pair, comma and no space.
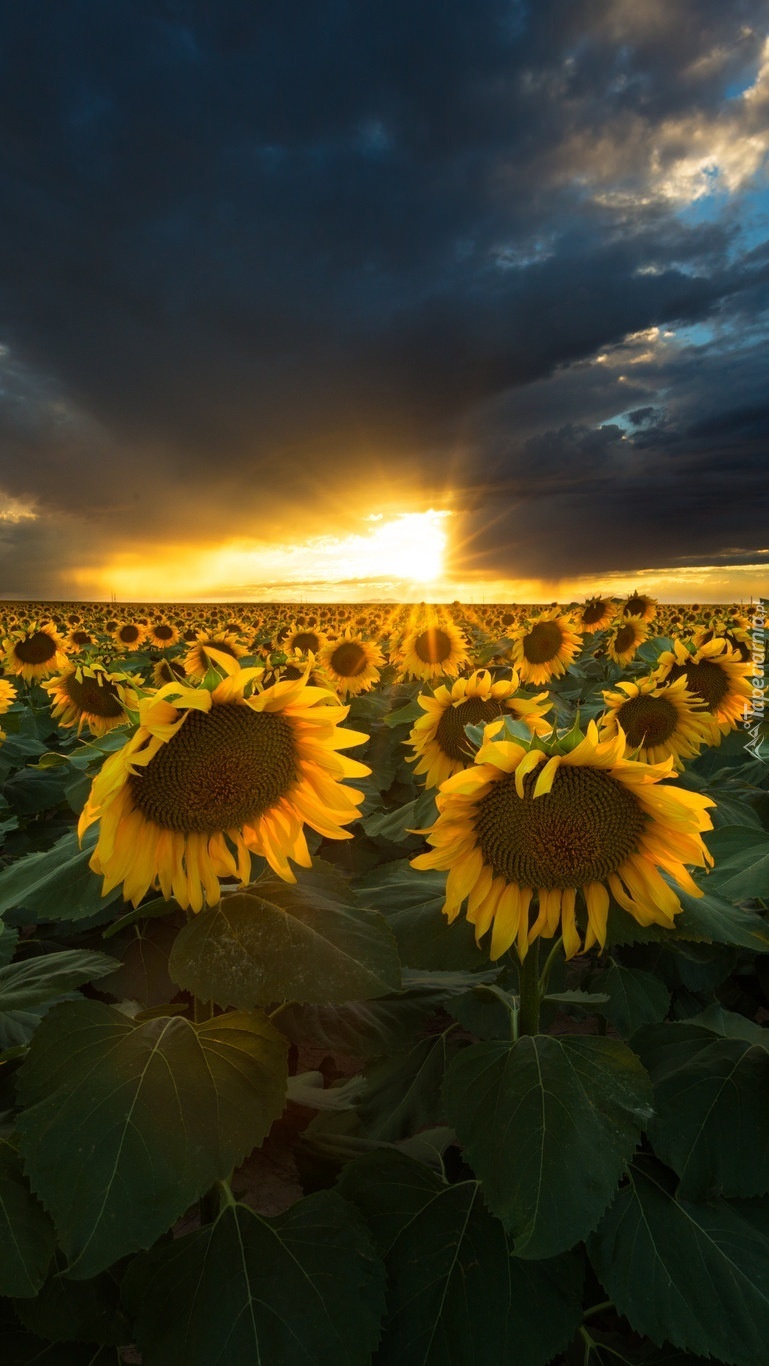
384,984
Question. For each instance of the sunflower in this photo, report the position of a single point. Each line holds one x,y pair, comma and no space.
432,651
167,671
304,639
520,824
715,674
162,634
546,648
128,635
438,738
35,653
624,640
351,663
658,721
737,636
7,695
595,615
211,777
639,605
90,695
198,659
80,639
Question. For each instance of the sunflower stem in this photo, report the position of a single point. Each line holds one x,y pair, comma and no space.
529,992
544,980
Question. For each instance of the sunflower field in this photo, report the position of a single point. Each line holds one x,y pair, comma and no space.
384,984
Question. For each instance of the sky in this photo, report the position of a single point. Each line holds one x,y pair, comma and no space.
456,299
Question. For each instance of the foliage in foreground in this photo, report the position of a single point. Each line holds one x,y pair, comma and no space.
314,1123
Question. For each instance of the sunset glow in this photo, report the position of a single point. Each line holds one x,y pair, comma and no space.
397,556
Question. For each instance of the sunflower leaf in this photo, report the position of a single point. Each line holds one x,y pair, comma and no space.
711,1122
312,944
695,1275
30,986
306,1287
713,918
56,885
27,1239
456,1292
117,1109
635,998
549,1126
742,862
413,903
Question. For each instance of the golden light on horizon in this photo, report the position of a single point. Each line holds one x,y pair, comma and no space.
397,554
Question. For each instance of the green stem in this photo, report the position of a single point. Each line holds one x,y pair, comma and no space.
226,1196
597,1308
529,989
544,980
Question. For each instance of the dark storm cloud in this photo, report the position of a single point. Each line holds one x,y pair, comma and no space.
244,245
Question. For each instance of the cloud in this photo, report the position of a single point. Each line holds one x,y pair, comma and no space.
272,268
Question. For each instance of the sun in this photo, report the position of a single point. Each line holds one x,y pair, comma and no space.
410,546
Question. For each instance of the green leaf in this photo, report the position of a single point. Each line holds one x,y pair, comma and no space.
363,1029
30,792
711,1098
742,862
285,943
23,1349
404,1092
305,1289
406,715
56,885
27,1239
127,1123
77,1311
716,920
548,1125
29,987
413,902
9,938
636,998
696,1275
142,973
398,825
456,1292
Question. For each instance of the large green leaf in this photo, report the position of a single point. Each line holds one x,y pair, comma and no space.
403,1093
636,998
741,862
28,988
128,1123
305,1289
456,1292
709,919
56,885
77,1311
27,1239
713,918
23,1349
413,903
711,1097
696,1275
285,943
9,938
142,973
370,1029
548,1125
